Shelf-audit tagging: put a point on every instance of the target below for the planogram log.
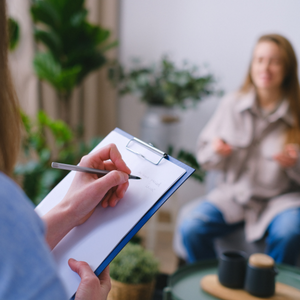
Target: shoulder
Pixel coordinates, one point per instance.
(235, 97)
(15, 204)
(25, 258)
(236, 102)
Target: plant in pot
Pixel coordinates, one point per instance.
(133, 273)
(163, 87)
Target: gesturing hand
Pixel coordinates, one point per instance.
(222, 147)
(288, 157)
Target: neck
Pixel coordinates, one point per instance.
(268, 99)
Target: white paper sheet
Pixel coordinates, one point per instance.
(95, 239)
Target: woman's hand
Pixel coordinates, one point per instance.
(288, 157)
(91, 287)
(87, 191)
(221, 147)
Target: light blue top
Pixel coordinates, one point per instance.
(27, 268)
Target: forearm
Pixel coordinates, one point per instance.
(59, 222)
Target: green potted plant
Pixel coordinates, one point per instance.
(163, 87)
(164, 84)
(133, 273)
(72, 47)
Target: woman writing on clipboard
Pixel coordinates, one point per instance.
(253, 139)
(27, 268)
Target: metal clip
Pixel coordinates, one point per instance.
(148, 146)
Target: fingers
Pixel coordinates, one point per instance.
(91, 287)
(222, 147)
(114, 195)
(292, 150)
(113, 178)
(98, 158)
(288, 158)
(104, 277)
(102, 186)
(81, 268)
(284, 160)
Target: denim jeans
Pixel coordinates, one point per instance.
(206, 222)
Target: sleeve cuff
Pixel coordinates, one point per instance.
(294, 172)
(208, 158)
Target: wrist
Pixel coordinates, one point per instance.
(59, 222)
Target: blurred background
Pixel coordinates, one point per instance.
(217, 36)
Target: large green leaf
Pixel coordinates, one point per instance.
(78, 18)
(89, 60)
(49, 39)
(63, 80)
(71, 8)
(44, 12)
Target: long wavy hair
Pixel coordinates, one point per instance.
(290, 84)
(10, 128)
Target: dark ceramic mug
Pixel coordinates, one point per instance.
(232, 269)
(260, 278)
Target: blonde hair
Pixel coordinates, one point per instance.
(290, 85)
(9, 108)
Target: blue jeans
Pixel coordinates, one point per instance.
(206, 222)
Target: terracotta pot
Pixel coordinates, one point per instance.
(125, 291)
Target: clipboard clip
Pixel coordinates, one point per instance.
(148, 146)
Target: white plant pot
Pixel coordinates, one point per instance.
(160, 127)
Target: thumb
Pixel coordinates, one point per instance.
(81, 268)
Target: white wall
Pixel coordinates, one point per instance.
(220, 33)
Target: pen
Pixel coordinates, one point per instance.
(83, 169)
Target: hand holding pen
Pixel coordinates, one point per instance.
(98, 172)
(87, 191)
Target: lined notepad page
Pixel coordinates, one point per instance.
(98, 236)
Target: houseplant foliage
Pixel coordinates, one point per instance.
(14, 33)
(135, 267)
(37, 176)
(163, 84)
(188, 158)
(73, 46)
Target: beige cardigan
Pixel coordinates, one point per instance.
(254, 187)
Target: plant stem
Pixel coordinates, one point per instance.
(65, 107)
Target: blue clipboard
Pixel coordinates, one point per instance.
(155, 207)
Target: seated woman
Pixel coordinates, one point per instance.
(253, 138)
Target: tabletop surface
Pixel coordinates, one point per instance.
(185, 282)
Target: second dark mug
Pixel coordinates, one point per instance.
(232, 269)
(260, 276)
